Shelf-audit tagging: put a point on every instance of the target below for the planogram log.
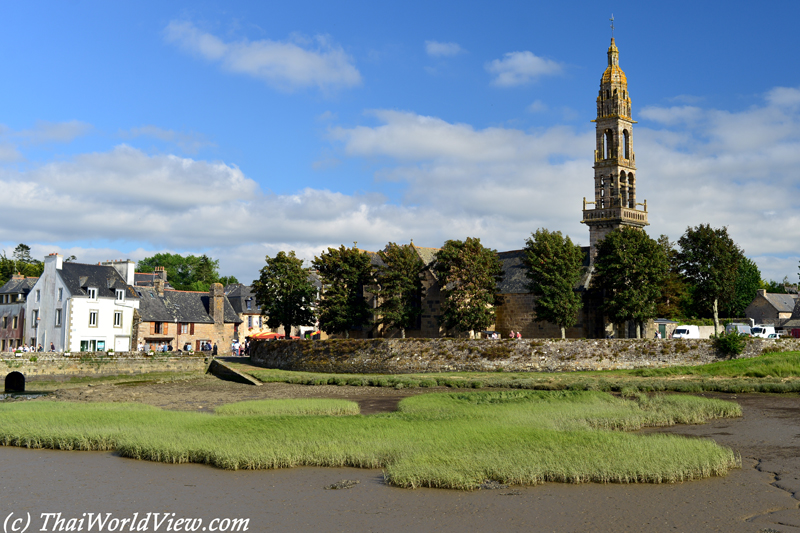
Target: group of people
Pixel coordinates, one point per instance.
(513, 335)
(240, 349)
(166, 347)
(29, 349)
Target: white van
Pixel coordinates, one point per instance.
(686, 332)
(763, 331)
(743, 329)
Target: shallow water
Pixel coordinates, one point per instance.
(73, 483)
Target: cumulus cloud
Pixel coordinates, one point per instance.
(694, 166)
(437, 49)
(282, 64)
(520, 68)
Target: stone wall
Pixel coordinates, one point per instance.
(398, 356)
(517, 313)
(48, 365)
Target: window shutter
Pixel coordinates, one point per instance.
(191, 328)
(152, 328)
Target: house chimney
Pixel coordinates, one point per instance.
(55, 259)
(216, 303)
(126, 269)
(762, 292)
(160, 280)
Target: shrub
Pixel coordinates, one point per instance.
(730, 344)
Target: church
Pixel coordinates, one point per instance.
(614, 207)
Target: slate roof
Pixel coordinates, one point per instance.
(180, 306)
(18, 286)
(783, 303)
(78, 277)
(515, 279)
(238, 294)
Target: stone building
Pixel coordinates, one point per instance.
(12, 311)
(771, 308)
(181, 318)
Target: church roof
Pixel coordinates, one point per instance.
(613, 74)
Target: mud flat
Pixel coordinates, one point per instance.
(762, 496)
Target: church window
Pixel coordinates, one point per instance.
(615, 92)
(608, 143)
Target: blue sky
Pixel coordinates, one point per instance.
(239, 129)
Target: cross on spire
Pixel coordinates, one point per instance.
(612, 25)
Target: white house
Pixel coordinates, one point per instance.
(79, 307)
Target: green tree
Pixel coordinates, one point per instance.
(20, 262)
(709, 259)
(630, 269)
(186, 273)
(285, 292)
(344, 273)
(554, 266)
(399, 287)
(468, 275)
(675, 296)
(748, 281)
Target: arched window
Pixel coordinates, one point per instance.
(622, 177)
(615, 92)
(626, 138)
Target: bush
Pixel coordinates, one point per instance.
(730, 344)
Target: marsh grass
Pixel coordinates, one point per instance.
(449, 440)
(770, 373)
(304, 406)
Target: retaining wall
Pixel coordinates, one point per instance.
(57, 365)
(399, 356)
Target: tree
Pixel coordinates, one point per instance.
(399, 287)
(630, 269)
(285, 292)
(709, 259)
(554, 269)
(21, 262)
(675, 296)
(344, 273)
(748, 281)
(189, 273)
(468, 275)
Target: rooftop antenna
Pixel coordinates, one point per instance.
(612, 25)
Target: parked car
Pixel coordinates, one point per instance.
(686, 332)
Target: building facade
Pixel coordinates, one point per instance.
(80, 307)
(13, 296)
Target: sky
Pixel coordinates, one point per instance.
(240, 129)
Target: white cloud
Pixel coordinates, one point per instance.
(437, 49)
(285, 65)
(694, 166)
(188, 142)
(61, 132)
(519, 68)
(537, 107)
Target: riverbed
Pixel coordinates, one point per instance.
(763, 495)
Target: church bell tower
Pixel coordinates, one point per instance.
(614, 202)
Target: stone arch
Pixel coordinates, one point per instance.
(608, 144)
(626, 139)
(15, 382)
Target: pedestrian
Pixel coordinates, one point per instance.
(519, 335)
(214, 349)
(511, 335)
(52, 347)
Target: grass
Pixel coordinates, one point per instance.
(449, 440)
(770, 372)
(304, 406)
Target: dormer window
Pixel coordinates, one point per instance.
(249, 304)
(120, 295)
(92, 293)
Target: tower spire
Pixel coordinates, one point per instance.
(615, 175)
(612, 27)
